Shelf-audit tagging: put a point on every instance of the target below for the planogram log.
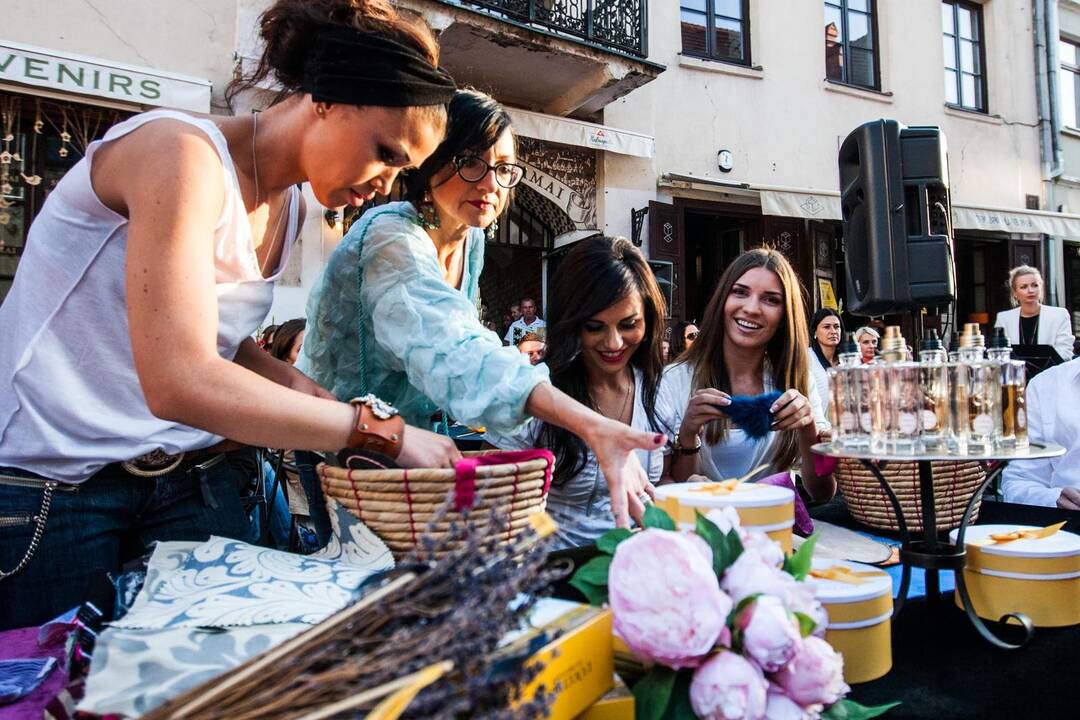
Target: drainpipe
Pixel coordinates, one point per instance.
(1048, 63)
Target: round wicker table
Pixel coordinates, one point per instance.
(931, 553)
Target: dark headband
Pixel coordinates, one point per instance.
(359, 68)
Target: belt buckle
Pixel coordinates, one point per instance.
(153, 464)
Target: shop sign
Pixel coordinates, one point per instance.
(41, 67)
(565, 197)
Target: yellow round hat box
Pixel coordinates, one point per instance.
(767, 508)
(859, 601)
(1023, 569)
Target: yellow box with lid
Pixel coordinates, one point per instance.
(617, 704)
(859, 601)
(767, 508)
(1024, 569)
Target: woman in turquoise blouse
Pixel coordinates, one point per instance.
(395, 312)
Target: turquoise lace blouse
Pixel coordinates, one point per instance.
(423, 347)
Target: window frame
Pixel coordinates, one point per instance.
(1073, 69)
(977, 13)
(845, 45)
(710, 36)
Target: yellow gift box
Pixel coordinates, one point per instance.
(1010, 569)
(858, 599)
(766, 508)
(617, 704)
(578, 663)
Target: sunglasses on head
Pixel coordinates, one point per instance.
(472, 168)
(691, 335)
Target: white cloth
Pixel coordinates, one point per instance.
(820, 375)
(739, 453)
(71, 401)
(519, 329)
(1052, 400)
(581, 506)
(1055, 328)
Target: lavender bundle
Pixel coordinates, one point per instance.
(450, 602)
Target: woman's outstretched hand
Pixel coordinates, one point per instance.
(425, 449)
(613, 444)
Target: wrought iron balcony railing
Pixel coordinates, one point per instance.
(615, 24)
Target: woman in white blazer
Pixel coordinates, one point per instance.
(1032, 323)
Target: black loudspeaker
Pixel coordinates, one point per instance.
(664, 271)
(894, 196)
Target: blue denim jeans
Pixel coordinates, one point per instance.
(94, 528)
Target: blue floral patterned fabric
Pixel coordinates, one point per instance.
(424, 348)
(19, 678)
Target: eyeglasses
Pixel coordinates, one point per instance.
(472, 168)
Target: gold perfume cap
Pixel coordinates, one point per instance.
(972, 336)
(893, 340)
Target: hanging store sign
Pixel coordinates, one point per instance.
(577, 207)
(42, 67)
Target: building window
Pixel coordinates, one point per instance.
(1069, 83)
(965, 55)
(850, 42)
(716, 29)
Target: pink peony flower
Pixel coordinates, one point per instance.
(815, 675)
(770, 633)
(728, 687)
(769, 550)
(725, 518)
(802, 597)
(751, 573)
(780, 707)
(667, 605)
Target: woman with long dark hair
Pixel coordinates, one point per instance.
(288, 340)
(605, 329)
(127, 356)
(683, 335)
(753, 340)
(826, 328)
(396, 310)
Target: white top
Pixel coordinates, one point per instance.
(1055, 328)
(1053, 397)
(71, 400)
(820, 375)
(581, 506)
(519, 329)
(739, 454)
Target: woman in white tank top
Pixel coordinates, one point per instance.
(127, 330)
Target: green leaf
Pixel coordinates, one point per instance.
(739, 608)
(657, 518)
(652, 693)
(597, 595)
(610, 540)
(595, 572)
(679, 707)
(851, 710)
(806, 624)
(726, 548)
(798, 564)
(735, 546)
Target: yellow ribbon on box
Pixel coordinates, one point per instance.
(844, 574)
(978, 560)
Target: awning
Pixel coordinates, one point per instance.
(810, 205)
(66, 72)
(582, 134)
(968, 217)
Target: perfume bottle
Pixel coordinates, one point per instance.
(934, 395)
(846, 390)
(893, 345)
(954, 347)
(999, 351)
(900, 400)
(1014, 405)
(983, 392)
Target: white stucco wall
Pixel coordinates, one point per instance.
(784, 123)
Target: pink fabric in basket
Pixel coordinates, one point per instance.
(465, 471)
(804, 525)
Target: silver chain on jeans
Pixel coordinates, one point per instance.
(39, 530)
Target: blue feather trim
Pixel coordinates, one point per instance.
(751, 413)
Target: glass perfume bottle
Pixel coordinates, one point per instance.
(893, 345)
(845, 386)
(983, 392)
(1014, 405)
(934, 395)
(954, 346)
(999, 351)
(903, 408)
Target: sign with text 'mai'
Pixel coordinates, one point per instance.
(42, 67)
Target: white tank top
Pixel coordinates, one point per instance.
(70, 400)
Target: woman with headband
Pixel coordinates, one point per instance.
(127, 358)
(395, 311)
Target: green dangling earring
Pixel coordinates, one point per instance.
(426, 215)
(492, 230)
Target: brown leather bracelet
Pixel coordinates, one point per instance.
(377, 427)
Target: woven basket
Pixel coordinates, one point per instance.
(401, 505)
(954, 484)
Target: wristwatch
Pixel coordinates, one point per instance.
(680, 450)
(377, 427)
